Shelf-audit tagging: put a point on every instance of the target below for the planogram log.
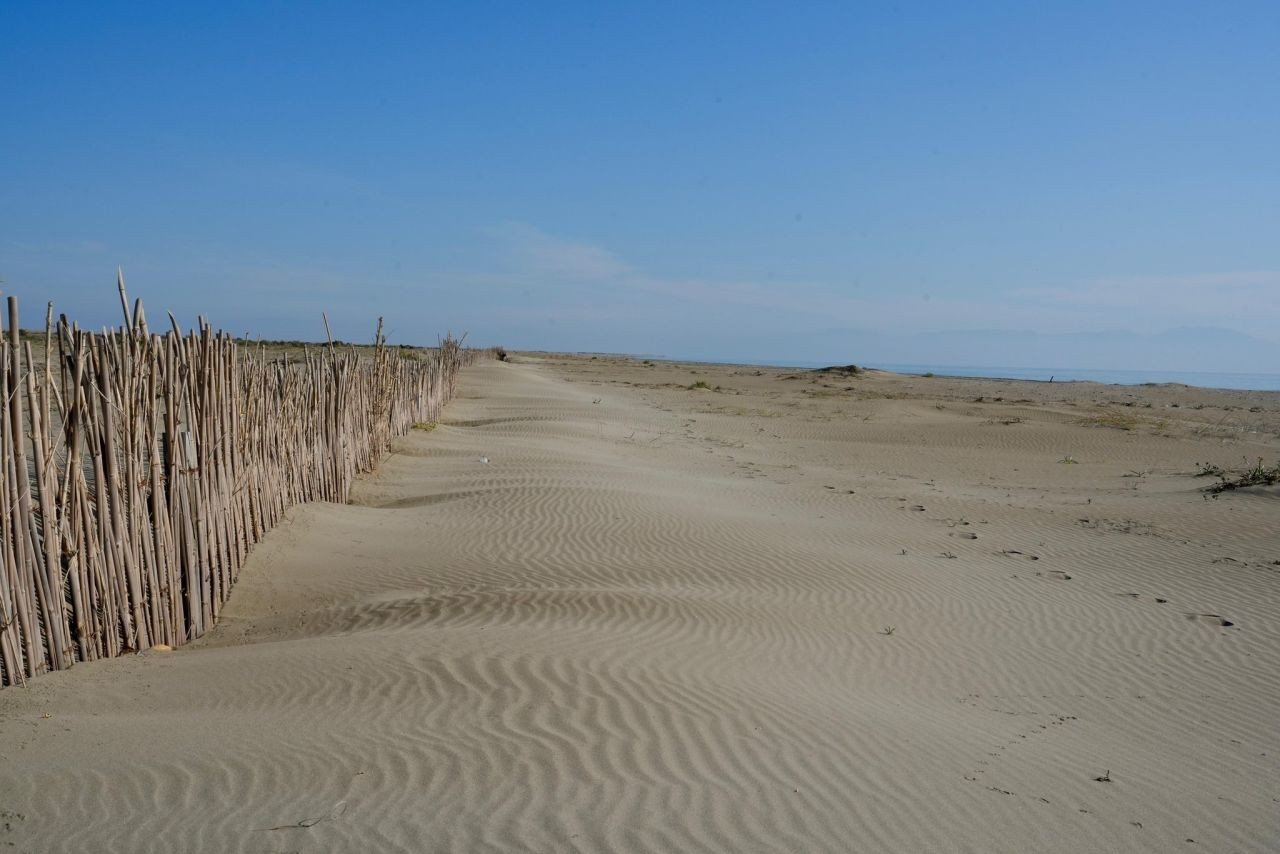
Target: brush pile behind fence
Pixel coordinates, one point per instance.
(137, 469)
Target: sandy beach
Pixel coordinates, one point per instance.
(611, 605)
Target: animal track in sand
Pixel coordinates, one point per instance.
(1019, 555)
(1056, 574)
(1041, 727)
(964, 535)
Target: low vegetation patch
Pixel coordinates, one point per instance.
(1209, 470)
(843, 370)
(1114, 420)
(425, 426)
(1257, 474)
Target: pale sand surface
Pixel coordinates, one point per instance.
(654, 621)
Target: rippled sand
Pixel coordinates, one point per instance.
(802, 612)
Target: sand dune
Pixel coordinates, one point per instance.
(801, 612)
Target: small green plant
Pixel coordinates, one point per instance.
(425, 426)
(1069, 460)
(699, 384)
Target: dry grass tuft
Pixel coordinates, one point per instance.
(1114, 420)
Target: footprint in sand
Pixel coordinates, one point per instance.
(1019, 555)
(964, 535)
(1055, 574)
(1211, 619)
(1160, 600)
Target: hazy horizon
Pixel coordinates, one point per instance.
(994, 184)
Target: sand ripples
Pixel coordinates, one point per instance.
(588, 644)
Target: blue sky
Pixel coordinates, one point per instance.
(775, 181)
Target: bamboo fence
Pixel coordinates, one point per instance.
(139, 468)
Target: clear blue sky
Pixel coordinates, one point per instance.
(734, 180)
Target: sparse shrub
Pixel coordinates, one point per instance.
(1257, 474)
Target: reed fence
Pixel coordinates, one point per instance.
(139, 468)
